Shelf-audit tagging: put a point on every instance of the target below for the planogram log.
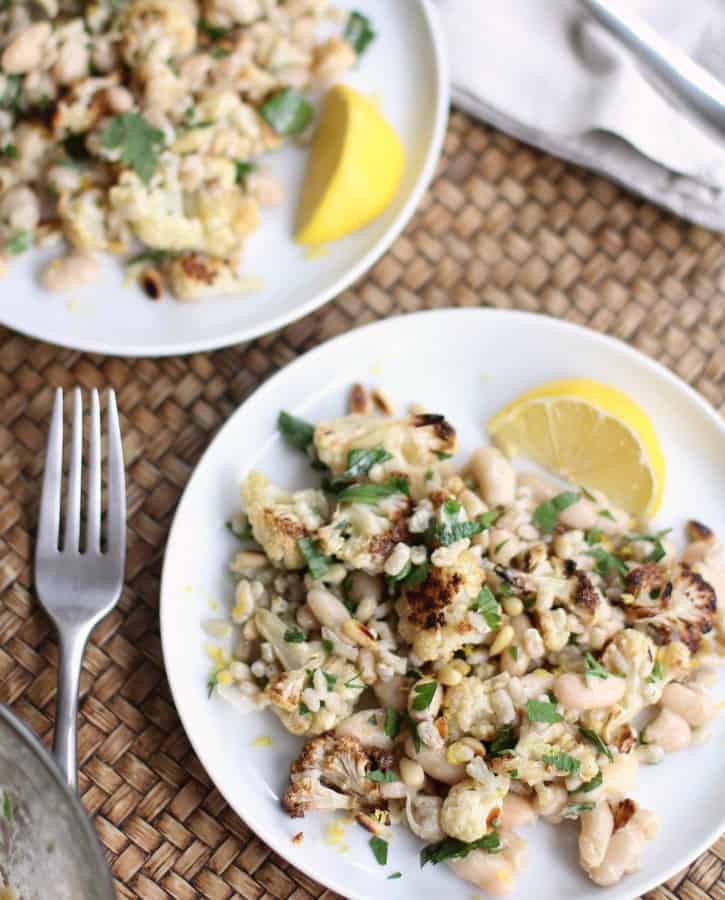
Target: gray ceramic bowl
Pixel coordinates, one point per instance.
(47, 844)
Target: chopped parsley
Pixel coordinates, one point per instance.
(593, 536)
(657, 673)
(243, 534)
(412, 727)
(442, 455)
(501, 545)
(382, 777)
(373, 721)
(19, 243)
(514, 651)
(242, 171)
(317, 564)
(449, 529)
(424, 693)
(138, 141)
(327, 645)
(287, 111)
(542, 711)
(574, 810)
(607, 562)
(590, 785)
(220, 52)
(503, 741)
(588, 494)
(392, 723)
(304, 710)
(594, 738)
(451, 848)
(562, 761)
(594, 669)
(488, 606)
(359, 463)
(355, 683)
(294, 636)
(298, 433)
(211, 684)
(372, 493)
(658, 552)
(380, 850)
(7, 806)
(605, 514)
(330, 679)
(411, 576)
(153, 256)
(546, 514)
(11, 97)
(211, 31)
(359, 32)
(10, 151)
(394, 876)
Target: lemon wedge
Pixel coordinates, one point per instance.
(591, 434)
(354, 169)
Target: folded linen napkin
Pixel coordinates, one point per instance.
(544, 72)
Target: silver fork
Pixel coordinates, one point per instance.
(77, 589)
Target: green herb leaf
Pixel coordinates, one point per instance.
(153, 256)
(594, 738)
(373, 493)
(449, 531)
(296, 432)
(288, 111)
(410, 577)
(590, 785)
(395, 875)
(546, 514)
(593, 668)
(10, 151)
(317, 564)
(562, 761)
(504, 740)
(304, 710)
(220, 52)
(211, 684)
(19, 243)
(412, 727)
(488, 606)
(373, 721)
(442, 455)
(514, 651)
(392, 723)
(424, 693)
(657, 673)
(607, 562)
(359, 32)
(243, 170)
(541, 711)
(380, 850)
(11, 97)
(138, 141)
(605, 514)
(327, 645)
(211, 31)
(659, 552)
(294, 636)
(451, 848)
(359, 463)
(574, 810)
(382, 777)
(243, 534)
(588, 494)
(7, 806)
(593, 536)
(330, 679)
(355, 683)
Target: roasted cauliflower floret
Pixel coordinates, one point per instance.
(279, 518)
(436, 617)
(468, 708)
(363, 535)
(544, 753)
(670, 605)
(412, 443)
(332, 773)
(472, 807)
(193, 277)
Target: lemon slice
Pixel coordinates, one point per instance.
(592, 435)
(354, 169)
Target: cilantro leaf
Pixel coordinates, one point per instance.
(658, 553)
(242, 534)
(294, 636)
(593, 536)
(541, 711)
(410, 577)
(211, 684)
(392, 723)
(488, 606)
(242, 170)
(590, 785)
(412, 727)
(607, 562)
(547, 513)
(327, 645)
(424, 693)
(452, 848)
(372, 493)
(298, 433)
(317, 564)
(449, 529)
(395, 875)
(594, 738)
(359, 463)
(442, 455)
(382, 777)
(138, 141)
(380, 850)
(593, 668)
(562, 761)
(287, 111)
(330, 679)
(359, 32)
(504, 740)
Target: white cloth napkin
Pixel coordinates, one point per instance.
(544, 72)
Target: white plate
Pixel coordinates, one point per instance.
(466, 364)
(405, 70)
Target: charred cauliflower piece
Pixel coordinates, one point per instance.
(677, 605)
(436, 617)
(279, 519)
(468, 708)
(472, 807)
(363, 536)
(412, 443)
(332, 773)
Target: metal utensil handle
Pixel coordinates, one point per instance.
(700, 91)
(65, 739)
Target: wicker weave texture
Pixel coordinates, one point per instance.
(502, 226)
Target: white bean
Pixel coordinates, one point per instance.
(493, 873)
(495, 476)
(695, 708)
(435, 763)
(619, 776)
(502, 546)
(670, 731)
(433, 708)
(359, 725)
(595, 831)
(582, 515)
(393, 693)
(517, 812)
(327, 608)
(622, 856)
(539, 488)
(412, 773)
(550, 798)
(20, 208)
(71, 272)
(577, 692)
(72, 62)
(25, 51)
(120, 100)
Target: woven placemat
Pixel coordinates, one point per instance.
(502, 226)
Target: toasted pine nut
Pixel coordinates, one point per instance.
(503, 639)
(449, 676)
(412, 773)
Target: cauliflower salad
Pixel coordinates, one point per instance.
(468, 649)
(128, 124)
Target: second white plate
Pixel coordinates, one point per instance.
(466, 364)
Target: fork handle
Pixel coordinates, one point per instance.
(65, 740)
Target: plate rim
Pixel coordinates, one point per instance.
(440, 59)
(611, 342)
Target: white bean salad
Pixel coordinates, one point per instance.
(469, 649)
(137, 126)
